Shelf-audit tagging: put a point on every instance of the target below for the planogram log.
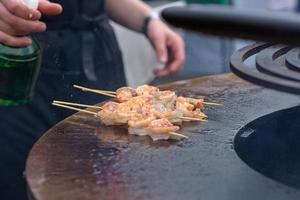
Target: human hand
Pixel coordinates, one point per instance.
(169, 47)
(17, 20)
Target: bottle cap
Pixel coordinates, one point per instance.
(33, 4)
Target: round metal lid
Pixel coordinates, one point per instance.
(276, 67)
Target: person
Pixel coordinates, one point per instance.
(79, 47)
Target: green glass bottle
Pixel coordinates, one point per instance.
(19, 69)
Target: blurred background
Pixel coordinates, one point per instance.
(205, 55)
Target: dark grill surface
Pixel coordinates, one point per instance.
(270, 145)
(81, 159)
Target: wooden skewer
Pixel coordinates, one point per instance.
(193, 119)
(107, 91)
(179, 135)
(212, 104)
(101, 92)
(206, 103)
(112, 94)
(73, 108)
(93, 91)
(76, 104)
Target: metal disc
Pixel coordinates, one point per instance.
(253, 75)
(293, 59)
(272, 61)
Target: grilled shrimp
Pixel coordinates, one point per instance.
(125, 93)
(197, 103)
(146, 90)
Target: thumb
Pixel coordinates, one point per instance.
(160, 46)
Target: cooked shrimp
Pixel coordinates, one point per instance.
(109, 115)
(110, 106)
(162, 126)
(198, 103)
(199, 114)
(184, 106)
(141, 121)
(166, 97)
(125, 93)
(158, 130)
(116, 114)
(146, 90)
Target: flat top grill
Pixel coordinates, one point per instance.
(81, 159)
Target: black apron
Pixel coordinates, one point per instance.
(79, 47)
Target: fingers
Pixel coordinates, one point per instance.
(16, 19)
(48, 8)
(14, 41)
(169, 48)
(161, 72)
(19, 25)
(176, 61)
(7, 29)
(19, 9)
(176, 57)
(159, 43)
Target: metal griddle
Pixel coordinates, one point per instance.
(81, 159)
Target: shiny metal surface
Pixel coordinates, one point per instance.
(81, 159)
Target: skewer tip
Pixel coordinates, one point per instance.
(212, 104)
(179, 135)
(193, 119)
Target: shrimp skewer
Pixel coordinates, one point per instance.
(142, 90)
(157, 129)
(145, 110)
(125, 94)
